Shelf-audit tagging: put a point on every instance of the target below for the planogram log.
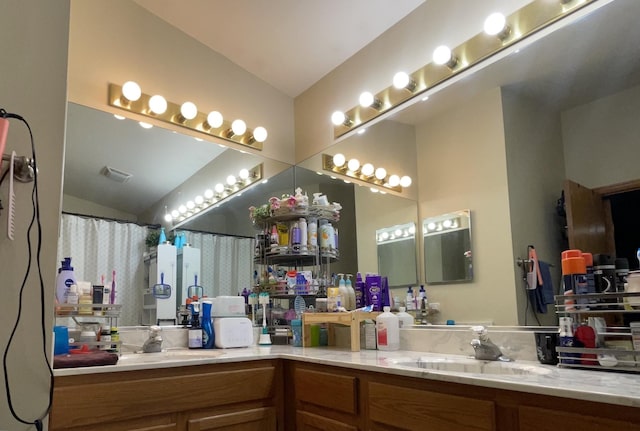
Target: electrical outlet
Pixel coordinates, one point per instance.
(434, 306)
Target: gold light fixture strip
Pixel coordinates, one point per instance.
(525, 22)
(329, 166)
(172, 115)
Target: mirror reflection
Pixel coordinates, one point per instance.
(397, 254)
(447, 248)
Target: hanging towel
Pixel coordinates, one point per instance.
(543, 294)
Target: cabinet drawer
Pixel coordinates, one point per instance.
(306, 421)
(333, 391)
(260, 419)
(539, 419)
(413, 409)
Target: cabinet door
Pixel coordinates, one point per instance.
(539, 419)
(146, 423)
(260, 419)
(401, 408)
(306, 421)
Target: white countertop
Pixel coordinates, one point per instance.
(598, 386)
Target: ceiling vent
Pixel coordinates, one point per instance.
(116, 175)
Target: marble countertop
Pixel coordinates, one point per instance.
(598, 386)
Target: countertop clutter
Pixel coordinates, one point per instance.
(523, 376)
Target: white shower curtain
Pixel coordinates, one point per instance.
(97, 247)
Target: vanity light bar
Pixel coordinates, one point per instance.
(523, 23)
(395, 233)
(329, 165)
(216, 196)
(129, 98)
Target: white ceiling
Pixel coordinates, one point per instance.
(290, 44)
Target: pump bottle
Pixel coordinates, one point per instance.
(65, 279)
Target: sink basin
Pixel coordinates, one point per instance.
(178, 354)
(474, 366)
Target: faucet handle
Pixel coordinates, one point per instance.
(479, 330)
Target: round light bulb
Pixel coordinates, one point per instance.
(353, 165)
(208, 194)
(175, 214)
(338, 118)
(191, 205)
(405, 181)
(431, 226)
(374, 190)
(158, 104)
(145, 125)
(394, 180)
(366, 99)
(199, 200)
(442, 55)
(381, 173)
(214, 119)
(398, 232)
(231, 180)
(189, 110)
(446, 223)
(238, 127)
(131, 91)
(339, 160)
(367, 169)
(219, 188)
(167, 217)
(401, 80)
(118, 117)
(182, 209)
(260, 134)
(244, 174)
(412, 230)
(494, 24)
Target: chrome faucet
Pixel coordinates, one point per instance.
(484, 348)
(154, 342)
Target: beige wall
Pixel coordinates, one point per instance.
(462, 164)
(535, 165)
(601, 140)
(33, 85)
(115, 41)
(76, 205)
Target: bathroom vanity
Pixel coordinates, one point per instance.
(285, 388)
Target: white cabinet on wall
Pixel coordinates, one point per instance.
(162, 269)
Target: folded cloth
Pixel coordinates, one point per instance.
(543, 294)
(91, 359)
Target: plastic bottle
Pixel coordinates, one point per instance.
(405, 319)
(296, 330)
(65, 279)
(351, 293)
(410, 304)
(302, 224)
(388, 330)
(72, 295)
(295, 238)
(344, 293)
(208, 336)
(312, 234)
(333, 298)
(274, 238)
(195, 331)
(566, 338)
(327, 236)
(359, 291)
(163, 237)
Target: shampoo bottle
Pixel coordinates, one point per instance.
(359, 291)
(388, 330)
(302, 224)
(65, 279)
(296, 238)
(208, 337)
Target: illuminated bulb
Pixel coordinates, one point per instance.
(199, 200)
(158, 104)
(188, 110)
(145, 125)
(338, 118)
(182, 209)
(398, 232)
(167, 217)
(214, 119)
(175, 214)
(405, 181)
(381, 173)
(244, 174)
(385, 235)
(118, 117)
(238, 127)
(367, 99)
(208, 194)
(367, 169)
(219, 188)
(446, 223)
(402, 80)
(374, 190)
(431, 226)
(339, 160)
(442, 55)
(394, 180)
(412, 230)
(260, 134)
(380, 239)
(131, 91)
(231, 180)
(495, 24)
(353, 165)
(190, 205)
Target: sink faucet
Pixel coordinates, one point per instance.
(484, 348)
(154, 342)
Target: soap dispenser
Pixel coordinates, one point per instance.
(344, 293)
(410, 304)
(351, 294)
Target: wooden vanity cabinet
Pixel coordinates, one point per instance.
(243, 396)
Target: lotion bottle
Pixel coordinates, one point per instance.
(351, 293)
(65, 279)
(344, 293)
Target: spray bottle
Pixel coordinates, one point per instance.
(65, 279)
